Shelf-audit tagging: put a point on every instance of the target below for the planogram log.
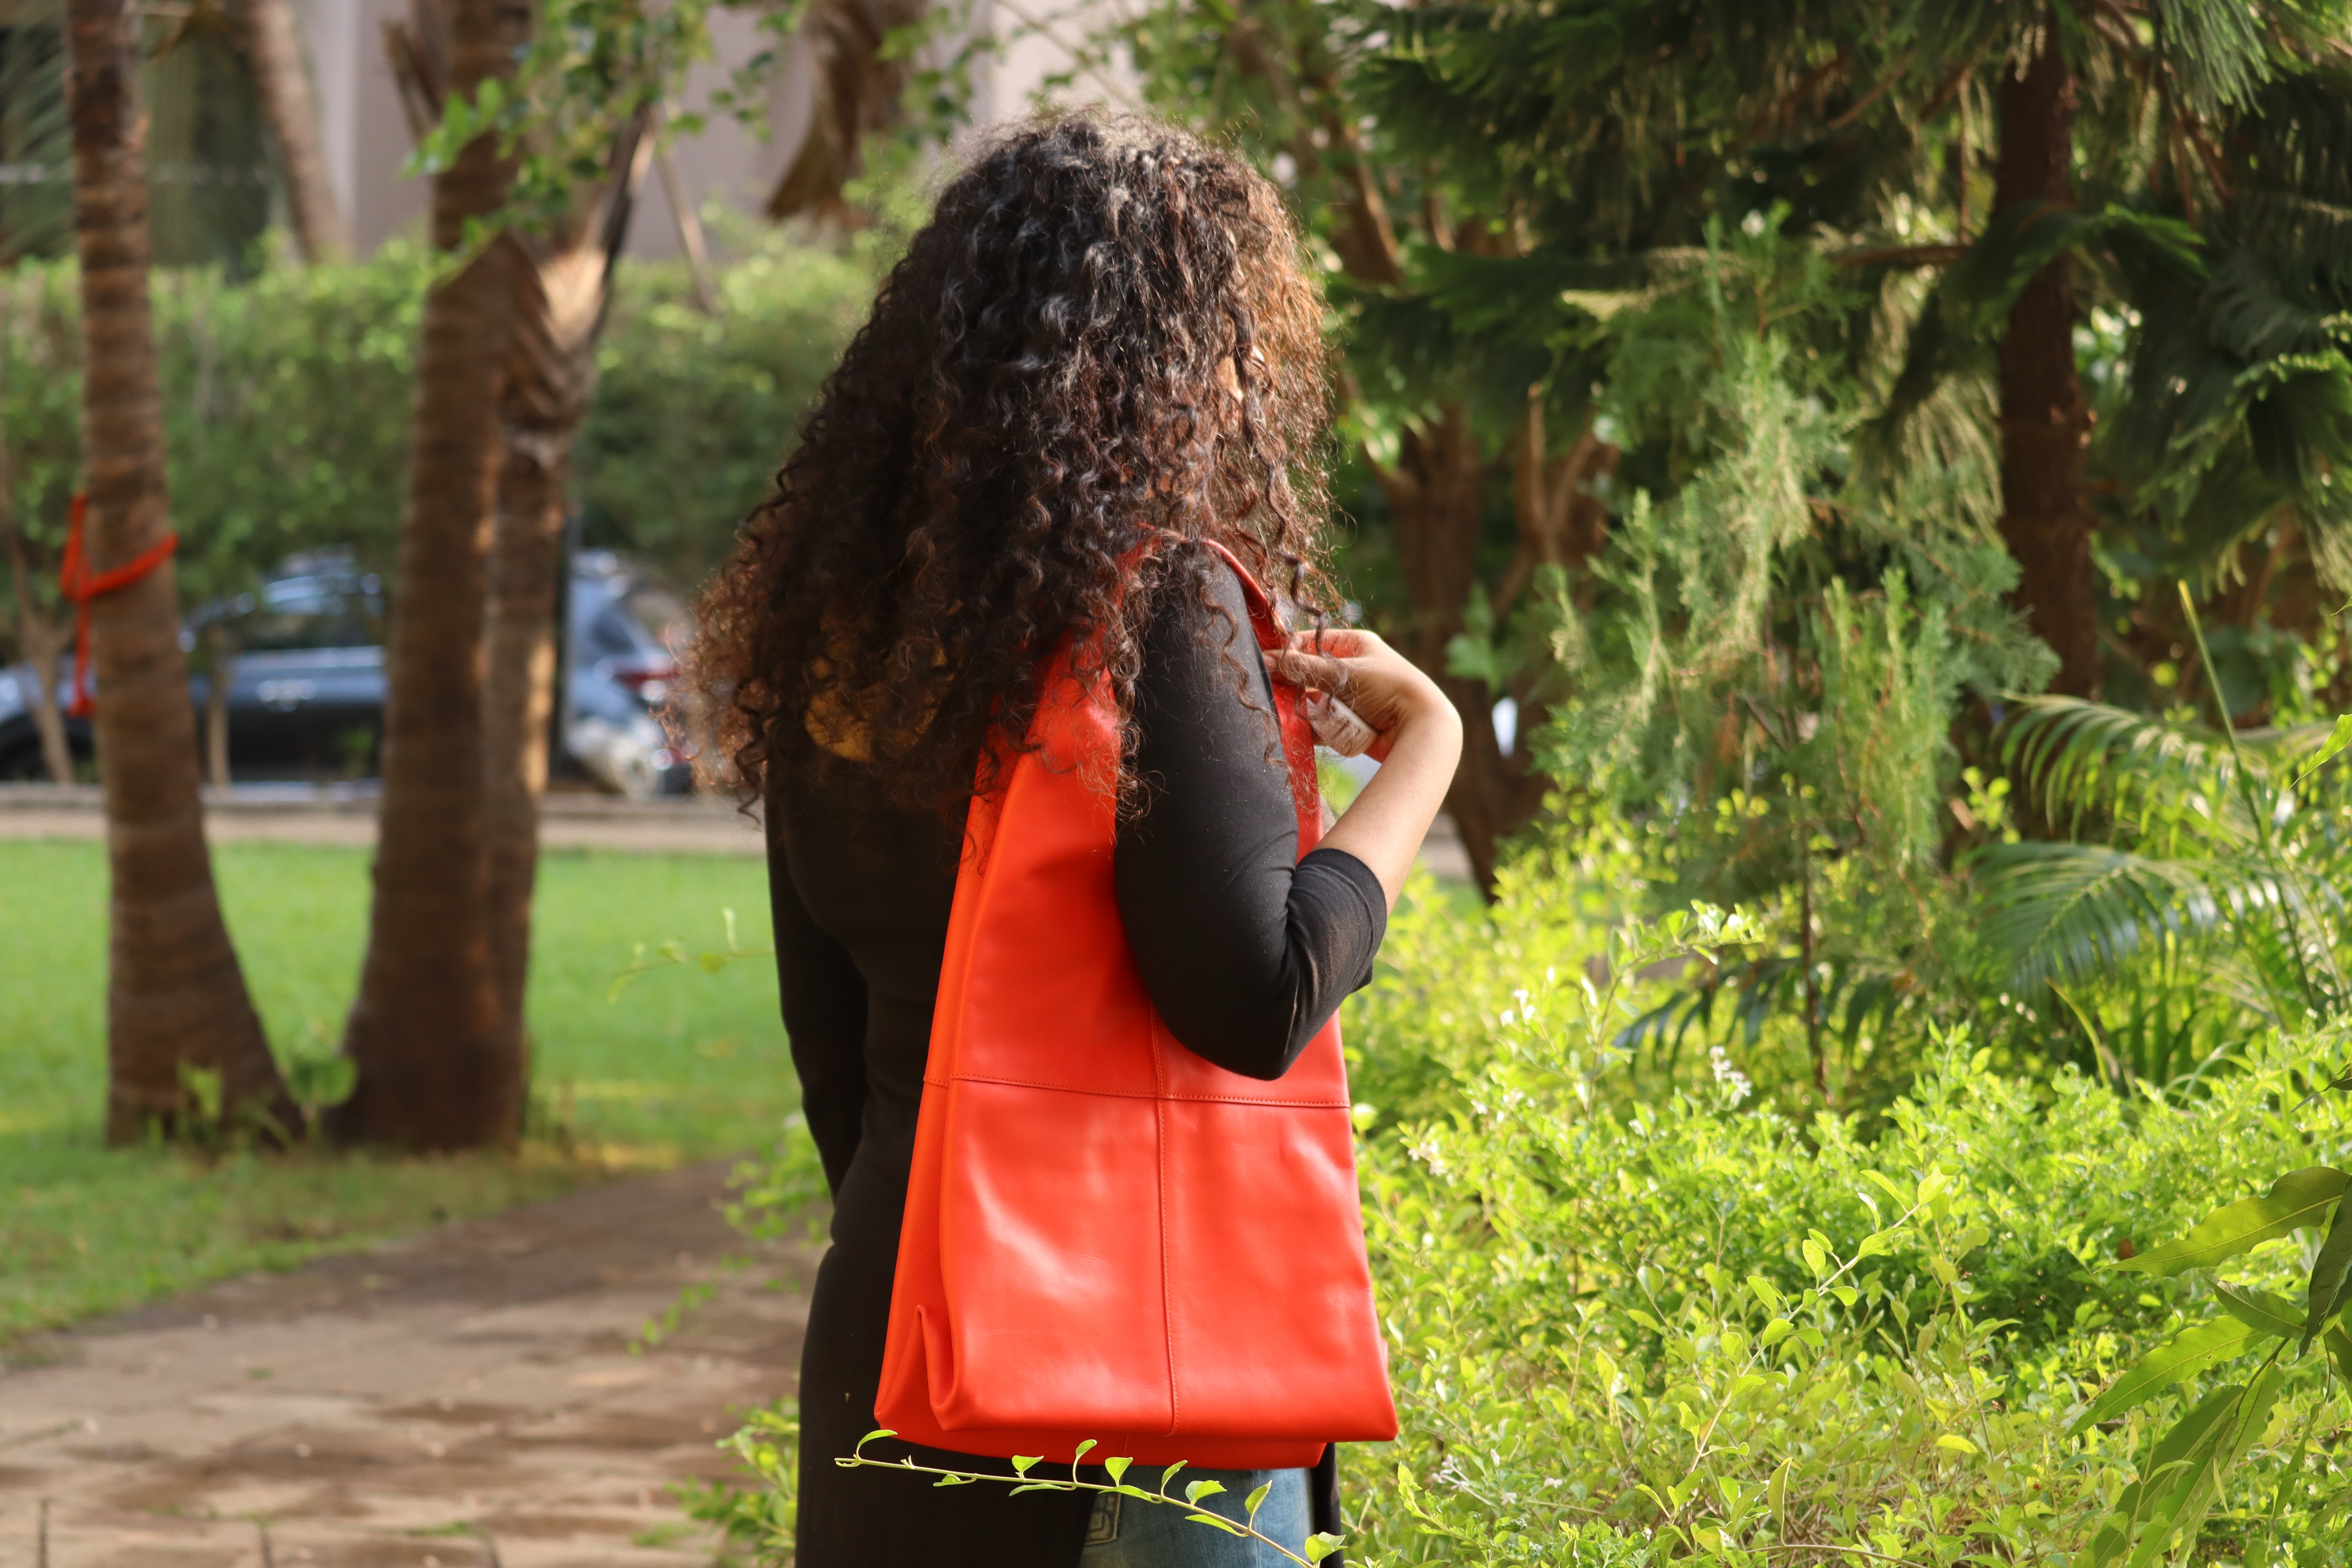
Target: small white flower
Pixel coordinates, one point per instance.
(1728, 1076)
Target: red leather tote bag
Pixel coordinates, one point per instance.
(1107, 1237)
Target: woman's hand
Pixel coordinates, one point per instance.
(1386, 689)
(1420, 743)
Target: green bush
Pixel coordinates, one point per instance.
(1678, 1328)
(694, 412)
(286, 408)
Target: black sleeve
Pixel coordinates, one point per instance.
(1245, 949)
(825, 1018)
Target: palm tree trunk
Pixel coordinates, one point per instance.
(175, 996)
(526, 575)
(223, 661)
(42, 640)
(436, 1068)
(2045, 426)
(283, 84)
(562, 285)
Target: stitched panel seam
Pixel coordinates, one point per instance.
(1145, 1094)
(1159, 1154)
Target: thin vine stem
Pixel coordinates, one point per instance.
(1021, 1480)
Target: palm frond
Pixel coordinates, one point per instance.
(2086, 757)
(2293, 153)
(2221, 54)
(2071, 911)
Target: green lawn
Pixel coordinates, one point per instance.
(683, 1066)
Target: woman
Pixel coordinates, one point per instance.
(1097, 363)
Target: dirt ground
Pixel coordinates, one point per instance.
(467, 1398)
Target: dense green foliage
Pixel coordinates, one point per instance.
(287, 402)
(694, 412)
(1642, 1321)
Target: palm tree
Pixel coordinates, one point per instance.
(39, 637)
(175, 998)
(436, 1066)
(2045, 426)
(274, 49)
(855, 86)
(563, 279)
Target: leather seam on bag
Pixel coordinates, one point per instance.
(1172, 1098)
(1160, 1157)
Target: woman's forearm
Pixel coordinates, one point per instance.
(1385, 825)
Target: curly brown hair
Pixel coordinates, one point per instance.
(1102, 351)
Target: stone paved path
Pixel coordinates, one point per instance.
(461, 1399)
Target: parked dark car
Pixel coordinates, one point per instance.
(306, 692)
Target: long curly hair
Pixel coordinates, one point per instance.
(1104, 351)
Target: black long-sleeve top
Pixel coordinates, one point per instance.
(1245, 949)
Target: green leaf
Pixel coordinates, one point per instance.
(1227, 1525)
(1256, 1500)
(2191, 1350)
(2339, 1351)
(2296, 1199)
(1084, 1448)
(1321, 1544)
(2208, 1462)
(1023, 1463)
(1118, 1467)
(1169, 1474)
(1956, 1442)
(2274, 1315)
(2338, 739)
(1196, 1491)
(2112, 1538)
(2327, 1273)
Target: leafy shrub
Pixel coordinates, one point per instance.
(1676, 1327)
(694, 412)
(285, 405)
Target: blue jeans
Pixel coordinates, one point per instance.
(1128, 1533)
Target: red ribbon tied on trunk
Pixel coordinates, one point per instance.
(78, 586)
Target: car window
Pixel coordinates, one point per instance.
(308, 612)
(610, 634)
